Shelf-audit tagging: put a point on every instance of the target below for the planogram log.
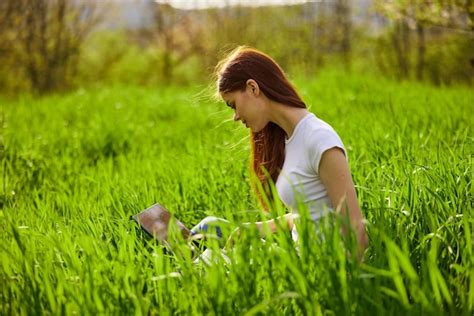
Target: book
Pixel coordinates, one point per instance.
(155, 221)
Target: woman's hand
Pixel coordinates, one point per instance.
(263, 228)
(362, 242)
(234, 235)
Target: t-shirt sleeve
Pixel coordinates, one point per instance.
(320, 141)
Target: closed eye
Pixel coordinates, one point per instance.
(230, 105)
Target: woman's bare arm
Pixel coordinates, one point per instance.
(272, 225)
(336, 177)
(265, 227)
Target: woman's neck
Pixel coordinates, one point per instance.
(285, 116)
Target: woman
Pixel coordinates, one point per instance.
(291, 147)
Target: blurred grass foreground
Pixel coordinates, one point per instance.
(105, 112)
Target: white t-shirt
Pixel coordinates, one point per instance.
(299, 179)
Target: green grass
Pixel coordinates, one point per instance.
(76, 166)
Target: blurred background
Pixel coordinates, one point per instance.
(57, 45)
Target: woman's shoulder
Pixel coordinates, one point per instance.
(320, 135)
(315, 126)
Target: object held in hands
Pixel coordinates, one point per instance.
(155, 221)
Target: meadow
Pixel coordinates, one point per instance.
(75, 166)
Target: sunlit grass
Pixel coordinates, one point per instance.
(75, 167)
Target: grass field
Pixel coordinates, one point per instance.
(76, 166)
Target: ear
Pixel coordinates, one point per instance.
(253, 87)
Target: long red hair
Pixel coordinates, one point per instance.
(268, 145)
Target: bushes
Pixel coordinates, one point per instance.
(182, 47)
(117, 58)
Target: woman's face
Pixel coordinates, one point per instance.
(248, 108)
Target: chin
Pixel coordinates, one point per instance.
(256, 129)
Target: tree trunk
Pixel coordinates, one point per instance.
(420, 65)
(167, 62)
(406, 48)
(400, 43)
(344, 20)
(320, 36)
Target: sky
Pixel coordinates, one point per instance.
(201, 4)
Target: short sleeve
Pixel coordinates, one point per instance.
(319, 141)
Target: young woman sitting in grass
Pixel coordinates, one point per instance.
(291, 147)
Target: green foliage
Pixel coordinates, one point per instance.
(130, 62)
(449, 59)
(423, 40)
(126, 63)
(75, 167)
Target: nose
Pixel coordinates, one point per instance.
(236, 116)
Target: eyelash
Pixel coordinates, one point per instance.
(232, 106)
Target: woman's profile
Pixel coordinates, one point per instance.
(291, 147)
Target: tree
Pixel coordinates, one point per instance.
(42, 39)
(343, 17)
(179, 37)
(418, 15)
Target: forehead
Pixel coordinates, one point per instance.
(229, 95)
